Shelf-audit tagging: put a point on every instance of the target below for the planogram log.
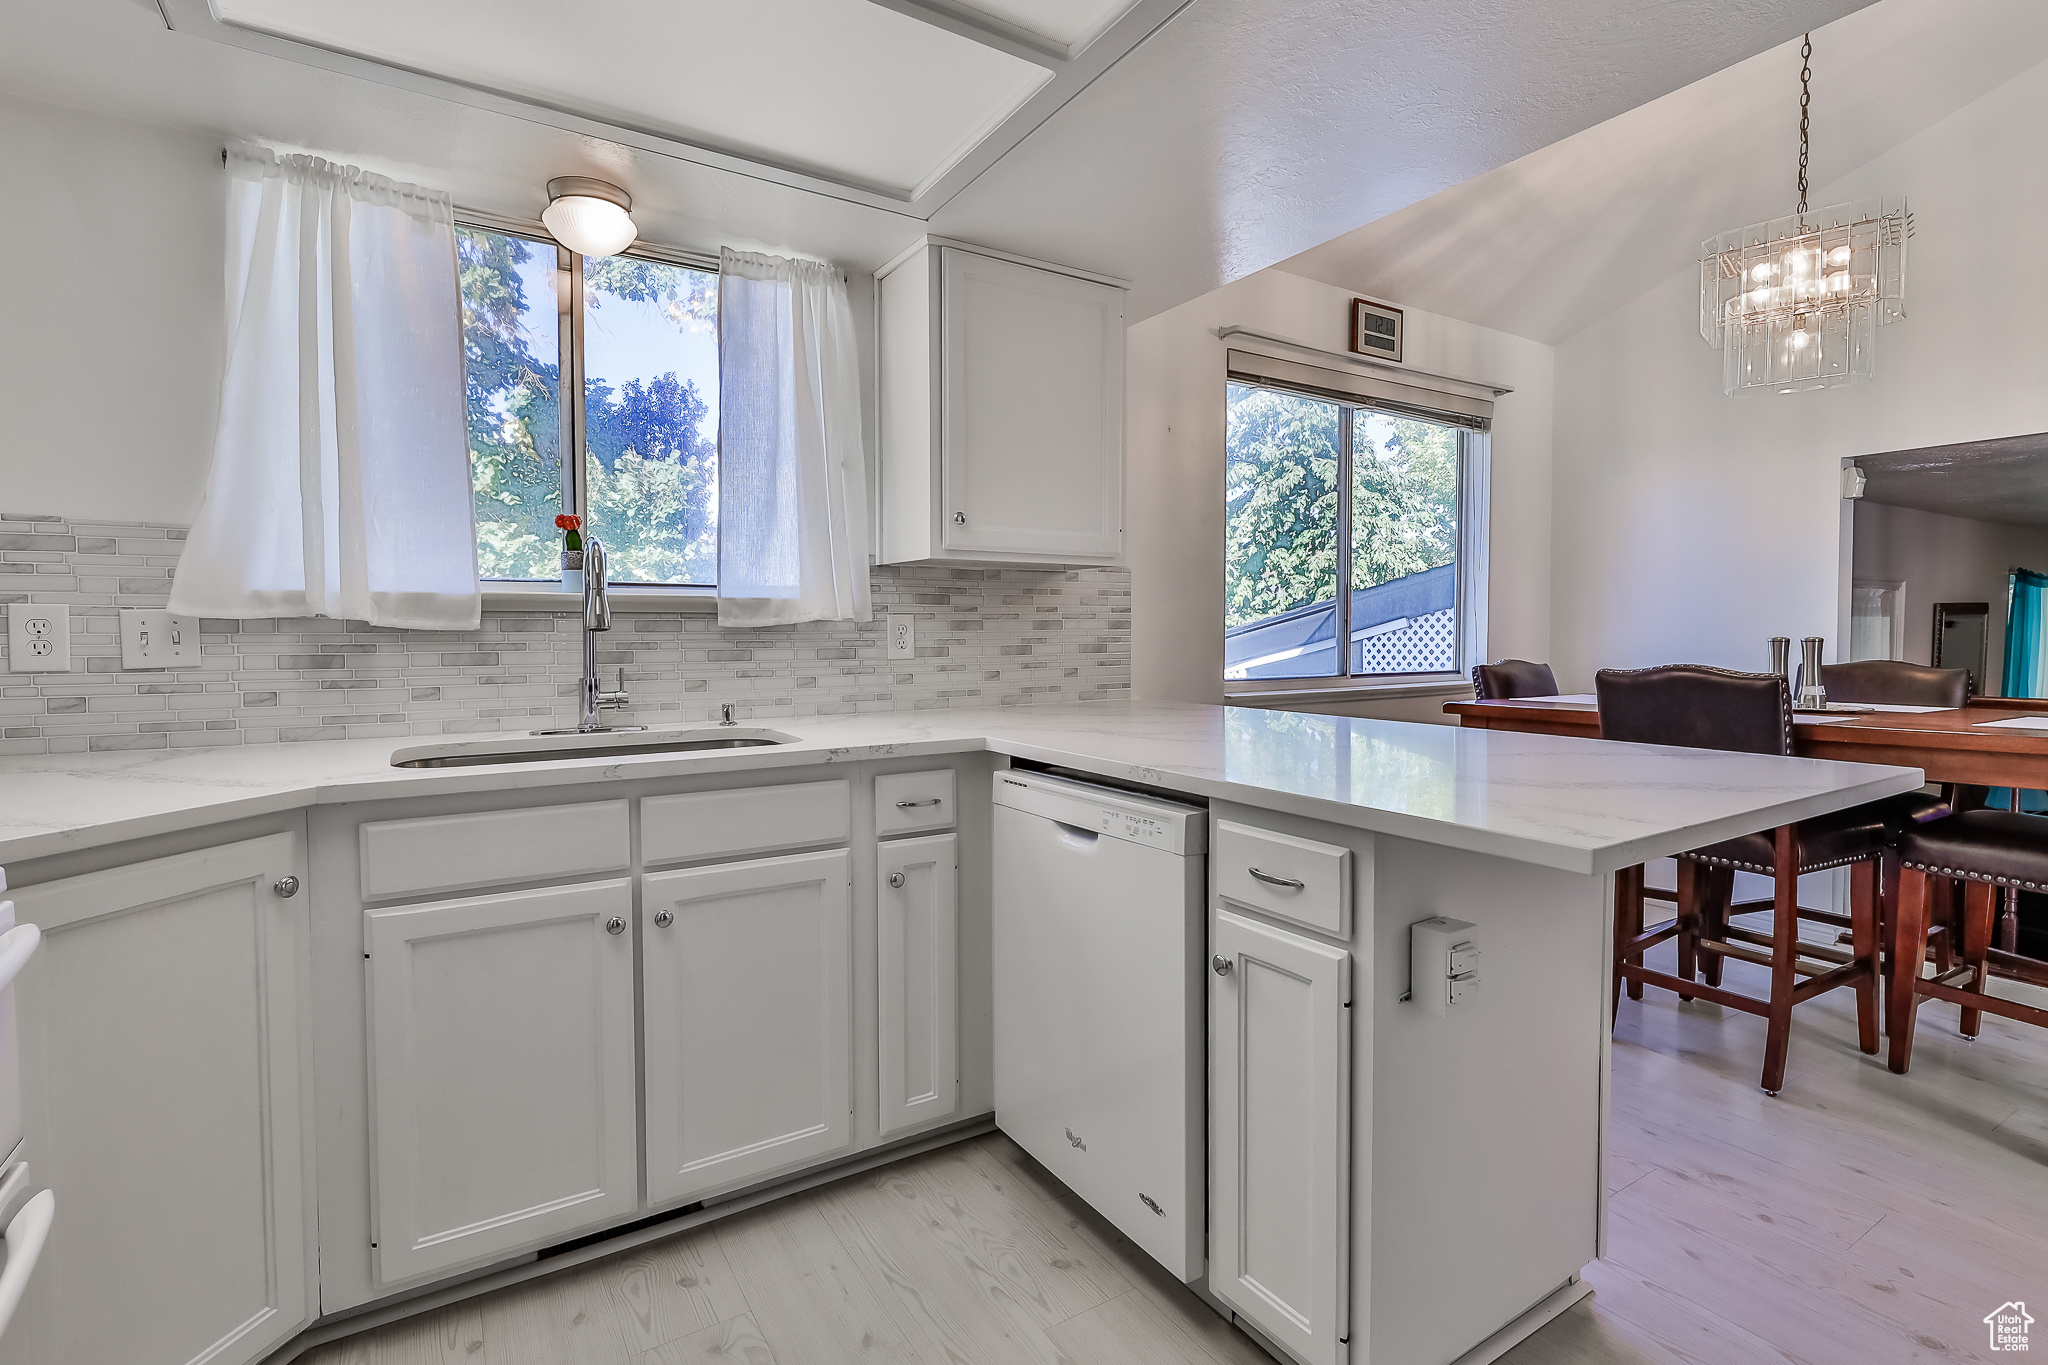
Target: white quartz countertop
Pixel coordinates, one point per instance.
(1579, 805)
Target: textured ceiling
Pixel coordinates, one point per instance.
(1547, 244)
(1240, 134)
(2004, 481)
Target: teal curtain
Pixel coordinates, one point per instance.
(2026, 671)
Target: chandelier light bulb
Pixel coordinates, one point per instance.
(590, 217)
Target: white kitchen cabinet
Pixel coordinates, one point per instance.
(1279, 1134)
(1002, 411)
(501, 1073)
(167, 1085)
(746, 988)
(917, 937)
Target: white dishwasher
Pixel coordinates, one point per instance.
(1099, 993)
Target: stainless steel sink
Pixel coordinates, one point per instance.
(555, 748)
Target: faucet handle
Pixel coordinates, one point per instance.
(725, 714)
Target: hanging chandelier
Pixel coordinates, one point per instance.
(1795, 303)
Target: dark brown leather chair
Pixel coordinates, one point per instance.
(1984, 850)
(1889, 682)
(1507, 679)
(1695, 706)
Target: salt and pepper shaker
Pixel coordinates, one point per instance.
(1781, 656)
(1813, 695)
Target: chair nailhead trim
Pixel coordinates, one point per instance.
(1767, 870)
(1969, 876)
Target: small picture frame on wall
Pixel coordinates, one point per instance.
(1376, 330)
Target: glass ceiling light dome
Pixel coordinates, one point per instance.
(588, 216)
(1795, 303)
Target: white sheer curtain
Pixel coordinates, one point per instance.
(792, 481)
(340, 483)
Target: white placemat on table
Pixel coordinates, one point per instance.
(2017, 723)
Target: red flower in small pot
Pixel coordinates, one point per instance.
(573, 541)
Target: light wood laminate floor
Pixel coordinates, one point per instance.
(1858, 1217)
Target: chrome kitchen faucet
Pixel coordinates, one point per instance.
(597, 616)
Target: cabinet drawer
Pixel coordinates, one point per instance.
(908, 802)
(491, 848)
(750, 820)
(1293, 879)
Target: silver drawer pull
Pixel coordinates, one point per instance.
(913, 805)
(1271, 880)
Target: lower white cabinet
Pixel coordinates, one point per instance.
(502, 1096)
(167, 1078)
(917, 950)
(1279, 1134)
(746, 983)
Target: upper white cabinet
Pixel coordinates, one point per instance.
(167, 1078)
(1002, 411)
(746, 988)
(501, 1072)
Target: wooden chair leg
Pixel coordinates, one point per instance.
(1944, 909)
(1628, 922)
(1979, 912)
(1887, 908)
(1718, 892)
(1863, 943)
(1909, 956)
(1784, 946)
(1688, 921)
(2009, 919)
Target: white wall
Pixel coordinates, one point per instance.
(1944, 559)
(110, 359)
(1173, 522)
(1691, 526)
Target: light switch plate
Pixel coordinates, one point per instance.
(38, 637)
(902, 637)
(157, 639)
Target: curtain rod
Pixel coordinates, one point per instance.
(1388, 366)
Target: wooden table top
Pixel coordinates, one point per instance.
(1949, 746)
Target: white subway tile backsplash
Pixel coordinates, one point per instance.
(1005, 637)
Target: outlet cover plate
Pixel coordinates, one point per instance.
(902, 637)
(157, 639)
(38, 637)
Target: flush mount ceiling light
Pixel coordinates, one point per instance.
(589, 216)
(1795, 303)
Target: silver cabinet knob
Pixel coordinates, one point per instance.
(896, 880)
(287, 886)
(615, 925)
(959, 518)
(1221, 964)
(663, 919)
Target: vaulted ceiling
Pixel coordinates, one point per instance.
(1178, 145)
(1548, 243)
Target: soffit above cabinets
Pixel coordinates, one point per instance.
(893, 103)
(1068, 23)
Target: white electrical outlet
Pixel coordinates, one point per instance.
(38, 638)
(902, 637)
(157, 639)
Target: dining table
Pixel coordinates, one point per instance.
(1991, 742)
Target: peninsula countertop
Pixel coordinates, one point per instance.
(1579, 805)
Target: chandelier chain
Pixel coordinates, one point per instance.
(1805, 114)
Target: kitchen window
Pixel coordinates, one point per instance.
(593, 391)
(1354, 530)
